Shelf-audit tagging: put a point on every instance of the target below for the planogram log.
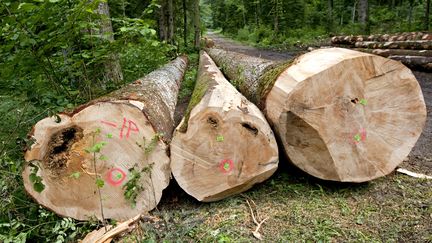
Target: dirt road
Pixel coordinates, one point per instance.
(420, 158)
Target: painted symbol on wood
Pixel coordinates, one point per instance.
(226, 165)
(363, 101)
(359, 136)
(127, 127)
(219, 138)
(115, 176)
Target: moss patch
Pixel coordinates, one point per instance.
(267, 80)
(200, 90)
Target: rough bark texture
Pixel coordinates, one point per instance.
(414, 59)
(113, 72)
(364, 15)
(197, 24)
(244, 71)
(406, 36)
(228, 145)
(413, 45)
(170, 22)
(130, 122)
(342, 115)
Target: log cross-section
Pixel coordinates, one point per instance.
(341, 115)
(118, 142)
(225, 145)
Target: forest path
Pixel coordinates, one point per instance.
(420, 158)
(228, 44)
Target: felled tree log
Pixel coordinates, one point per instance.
(397, 52)
(414, 59)
(117, 142)
(415, 62)
(341, 115)
(407, 36)
(413, 45)
(224, 145)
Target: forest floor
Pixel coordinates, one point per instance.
(302, 208)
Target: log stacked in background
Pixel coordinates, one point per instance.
(135, 123)
(224, 145)
(412, 48)
(340, 114)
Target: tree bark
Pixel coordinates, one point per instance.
(197, 24)
(185, 23)
(406, 36)
(224, 145)
(113, 72)
(163, 28)
(397, 52)
(341, 115)
(170, 22)
(426, 18)
(363, 13)
(413, 45)
(135, 123)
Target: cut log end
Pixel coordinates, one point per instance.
(73, 152)
(228, 145)
(348, 116)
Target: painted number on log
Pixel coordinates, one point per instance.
(127, 127)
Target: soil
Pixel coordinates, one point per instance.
(420, 158)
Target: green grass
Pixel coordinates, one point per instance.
(300, 208)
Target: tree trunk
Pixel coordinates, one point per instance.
(170, 22)
(426, 18)
(119, 140)
(197, 24)
(224, 145)
(330, 14)
(185, 23)
(413, 45)
(113, 72)
(341, 115)
(364, 15)
(163, 28)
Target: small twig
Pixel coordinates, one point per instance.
(258, 224)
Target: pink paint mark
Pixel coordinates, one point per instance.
(115, 176)
(109, 123)
(358, 136)
(122, 128)
(135, 129)
(226, 166)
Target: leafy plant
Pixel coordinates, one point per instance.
(35, 179)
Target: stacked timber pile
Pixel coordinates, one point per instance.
(107, 158)
(224, 145)
(412, 48)
(340, 114)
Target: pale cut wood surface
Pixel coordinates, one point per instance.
(125, 118)
(228, 145)
(341, 115)
(346, 116)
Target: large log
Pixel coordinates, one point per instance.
(341, 115)
(413, 45)
(118, 142)
(414, 59)
(396, 52)
(407, 36)
(224, 145)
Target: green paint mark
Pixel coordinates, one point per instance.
(118, 176)
(226, 166)
(75, 175)
(357, 137)
(219, 138)
(109, 135)
(363, 101)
